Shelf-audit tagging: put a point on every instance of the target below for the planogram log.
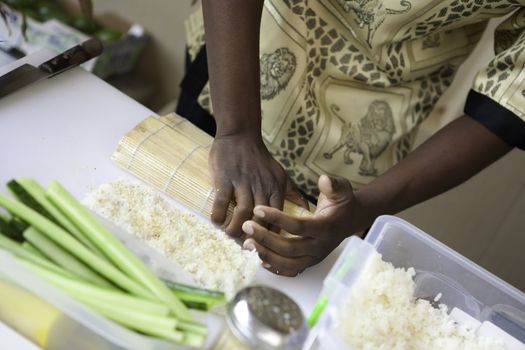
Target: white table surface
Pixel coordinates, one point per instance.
(67, 127)
(12, 340)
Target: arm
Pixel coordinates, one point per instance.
(242, 168)
(453, 155)
(232, 45)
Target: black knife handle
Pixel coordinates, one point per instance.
(73, 57)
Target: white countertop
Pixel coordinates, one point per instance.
(67, 127)
(12, 340)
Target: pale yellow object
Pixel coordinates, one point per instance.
(228, 341)
(26, 313)
(171, 154)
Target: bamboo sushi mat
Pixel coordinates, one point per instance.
(171, 154)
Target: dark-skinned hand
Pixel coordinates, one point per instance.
(246, 174)
(315, 236)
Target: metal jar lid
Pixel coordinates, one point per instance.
(265, 318)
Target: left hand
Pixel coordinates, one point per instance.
(316, 236)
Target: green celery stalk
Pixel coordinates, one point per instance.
(82, 290)
(69, 243)
(29, 247)
(163, 327)
(62, 258)
(17, 249)
(193, 339)
(193, 327)
(113, 248)
(150, 324)
(34, 189)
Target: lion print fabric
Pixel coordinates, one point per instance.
(345, 83)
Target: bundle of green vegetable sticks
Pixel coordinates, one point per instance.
(58, 239)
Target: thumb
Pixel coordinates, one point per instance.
(335, 188)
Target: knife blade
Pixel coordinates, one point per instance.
(28, 74)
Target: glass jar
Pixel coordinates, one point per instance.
(261, 317)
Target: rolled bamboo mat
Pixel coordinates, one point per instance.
(171, 154)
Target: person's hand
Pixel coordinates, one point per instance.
(316, 236)
(245, 172)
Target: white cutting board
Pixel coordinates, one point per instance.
(67, 127)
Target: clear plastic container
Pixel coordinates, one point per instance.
(439, 269)
(54, 321)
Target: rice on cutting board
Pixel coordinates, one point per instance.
(381, 312)
(214, 260)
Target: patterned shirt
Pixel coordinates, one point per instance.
(345, 83)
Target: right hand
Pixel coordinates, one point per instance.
(244, 171)
(339, 213)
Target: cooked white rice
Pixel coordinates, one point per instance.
(381, 312)
(214, 260)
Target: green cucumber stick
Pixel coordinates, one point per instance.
(179, 287)
(7, 230)
(12, 228)
(82, 290)
(113, 248)
(196, 298)
(39, 194)
(62, 258)
(17, 249)
(69, 243)
(25, 197)
(196, 305)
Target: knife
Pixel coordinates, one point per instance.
(28, 74)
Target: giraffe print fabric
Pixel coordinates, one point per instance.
(345, 83)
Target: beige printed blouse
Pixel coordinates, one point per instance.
(345, 83)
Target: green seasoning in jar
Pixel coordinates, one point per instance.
(263, 318)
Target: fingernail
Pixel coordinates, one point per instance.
(247, 228)
(248, 245)
(259, 213)
(266, 265)
(326, 178)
